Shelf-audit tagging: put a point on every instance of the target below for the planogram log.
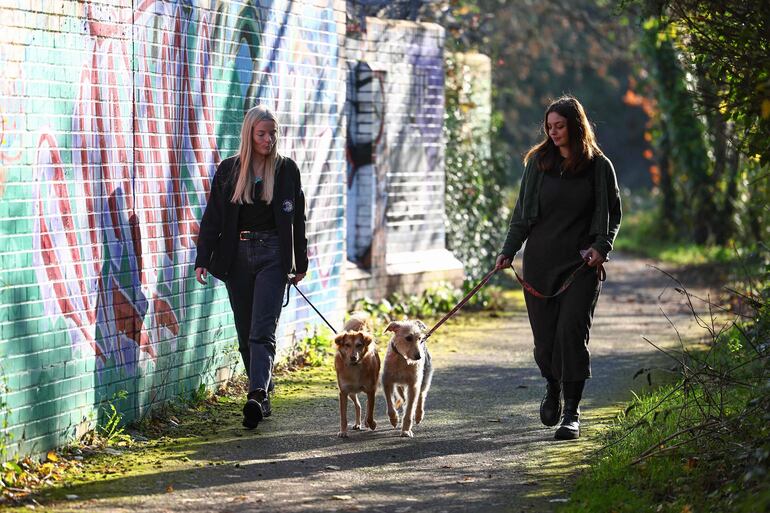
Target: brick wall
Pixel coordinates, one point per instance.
(113, 120)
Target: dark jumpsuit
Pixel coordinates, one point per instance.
(561, 325)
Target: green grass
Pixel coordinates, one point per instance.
(641, 234)
(650, 461)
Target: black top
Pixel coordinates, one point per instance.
(218, 235)
(257, 216)
(562, 228)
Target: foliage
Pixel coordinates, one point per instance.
(476, 215)
(432, 302)
(19, 478)
(109, 430)
(644, 234)
(728, 44)
(702, 443)
(308, 351)
(709, 81)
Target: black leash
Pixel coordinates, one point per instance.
(288, 289)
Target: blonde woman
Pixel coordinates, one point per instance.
(252, 237)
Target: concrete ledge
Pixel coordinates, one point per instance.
(408, 273)
(414, 271)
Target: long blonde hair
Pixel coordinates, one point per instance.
(245, 178)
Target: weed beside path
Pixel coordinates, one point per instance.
(480, 447)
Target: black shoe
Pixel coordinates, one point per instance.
(550, 406)
(570, 423)
(252, 410)
(267, 409)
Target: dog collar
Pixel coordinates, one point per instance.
(393, 346)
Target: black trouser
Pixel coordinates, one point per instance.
(255, 288)
(561, 328)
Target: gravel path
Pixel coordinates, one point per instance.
(480, 448)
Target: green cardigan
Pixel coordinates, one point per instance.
(606, 217)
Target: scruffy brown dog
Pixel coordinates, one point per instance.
(407, 373)
(358, 367)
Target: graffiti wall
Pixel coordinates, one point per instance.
(113, 121)
(396, 179)
(406, 117)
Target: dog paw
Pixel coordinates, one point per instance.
(407, 434)
(393, 418)
(371, 424)
(418, 417)
(357, 427)
(342, 434)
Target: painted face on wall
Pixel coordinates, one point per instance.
(556, 124)
(264, 136)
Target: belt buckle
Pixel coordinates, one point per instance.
(243, 235)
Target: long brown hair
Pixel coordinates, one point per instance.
(582, 141)
(245, 178)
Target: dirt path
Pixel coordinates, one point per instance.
(480, 448)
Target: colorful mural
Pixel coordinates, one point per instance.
(107, 181)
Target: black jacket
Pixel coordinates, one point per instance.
(218, 236)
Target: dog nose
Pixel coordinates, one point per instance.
(353, 359)
(417, 356)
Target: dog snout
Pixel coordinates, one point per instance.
(417, 356)
(354, 359)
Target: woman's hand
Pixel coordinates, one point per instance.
(200, 275)
(297, 278)
(594, 258)
(503, 262)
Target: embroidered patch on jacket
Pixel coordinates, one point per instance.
(287, 206)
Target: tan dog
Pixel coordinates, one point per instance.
(407, 369)
(358, 367)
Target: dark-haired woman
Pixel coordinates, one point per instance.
(252, 237)
(568, 211)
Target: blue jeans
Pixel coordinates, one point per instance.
(255, 287)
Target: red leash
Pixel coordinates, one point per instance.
(529, 288)
(533, 291)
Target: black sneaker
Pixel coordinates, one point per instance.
(252, 412)
(550, 406)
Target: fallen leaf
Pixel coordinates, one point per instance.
(52, 456)
(331, 467)
(71, 497)
(494, 420)
(342, 497)
(169, 488)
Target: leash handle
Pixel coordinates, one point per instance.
(602, 274)
(464, 300)
(311, 305)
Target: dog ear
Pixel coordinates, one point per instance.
(366, 338)
(393, 326)
(422, 325)
(339, 339)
